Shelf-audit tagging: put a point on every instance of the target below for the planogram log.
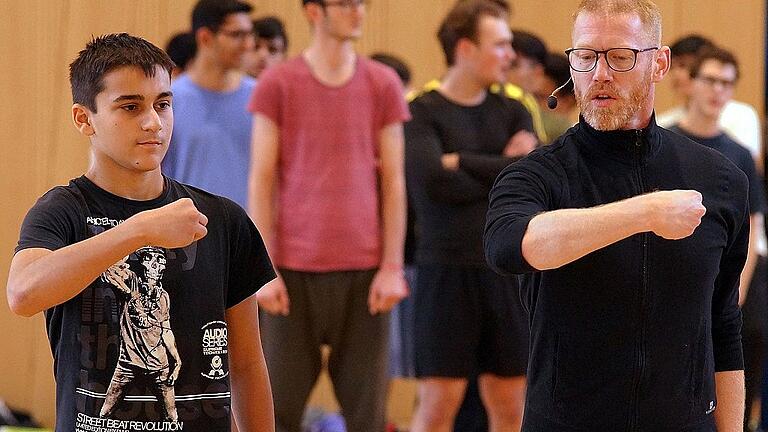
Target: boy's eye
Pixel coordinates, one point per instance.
(130, 107)
(164, 105)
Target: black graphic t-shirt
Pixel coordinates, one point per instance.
(144, 347)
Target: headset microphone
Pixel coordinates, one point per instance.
(552, 99)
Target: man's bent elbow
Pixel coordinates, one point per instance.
(532, 254)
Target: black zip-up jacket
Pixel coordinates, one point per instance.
(629, 337)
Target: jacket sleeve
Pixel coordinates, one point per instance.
(726, 314)
(424, 169)
(523, 190)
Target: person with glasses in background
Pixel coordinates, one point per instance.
(714, 74)
(738, 119)
(211, 148)
(630, 240)
(271, 45)
(327, 191)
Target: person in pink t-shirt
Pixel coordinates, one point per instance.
(327, 191)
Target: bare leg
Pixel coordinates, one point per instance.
(439, 401)
(504, 399)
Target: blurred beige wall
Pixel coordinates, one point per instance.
(38, 39)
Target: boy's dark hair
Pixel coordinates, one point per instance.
(556, 67)
(181, 49)
(108, 52)
(529, 45)
(270, 27)
(462, 23)
(720, 55)
(402, 69)
(690, 45)
(212, 13)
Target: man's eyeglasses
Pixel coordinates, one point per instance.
(240, 35)
(713, 81)
(346, 4)
(618, 59)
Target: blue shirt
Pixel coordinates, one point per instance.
(211, 143)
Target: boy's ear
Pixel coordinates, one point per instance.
(81, 117)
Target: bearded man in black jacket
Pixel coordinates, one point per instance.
(629, 240)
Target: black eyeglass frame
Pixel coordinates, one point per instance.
(345, 4)
(635, 51)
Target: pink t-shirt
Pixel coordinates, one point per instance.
(328, 215)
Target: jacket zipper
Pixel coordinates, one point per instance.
(634, 419)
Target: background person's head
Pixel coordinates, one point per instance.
(556, 73)
(398, 65)
(223, 32)
(527, 68)
(476, 38)
(271, 45)
(714, 74)
(181, 49)
(684, 52)
(340, 20)
(615, 90)
(121, 89)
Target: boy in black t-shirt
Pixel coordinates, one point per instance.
(147, 284)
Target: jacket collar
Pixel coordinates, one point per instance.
(625, 146)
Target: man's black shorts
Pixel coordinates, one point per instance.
(468, 320)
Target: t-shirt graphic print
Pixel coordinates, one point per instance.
(147, 343)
